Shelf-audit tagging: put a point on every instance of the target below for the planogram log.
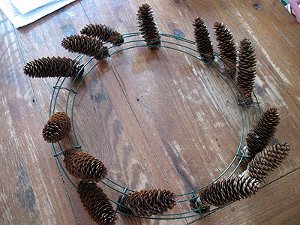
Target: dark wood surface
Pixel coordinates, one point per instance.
(158, 119)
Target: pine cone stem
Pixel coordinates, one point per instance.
(53, 67)
(104, 33)
(96, 202)
(84, 166)
(227, 48)
(86, 45)
(147, 26)
(203, 42)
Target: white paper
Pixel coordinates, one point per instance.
(25, 6)
(18, 19)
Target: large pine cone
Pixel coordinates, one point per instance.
(104, 33)
(246, 70)
(57, 127)
(267, 160)
(259, 137)
(86, 45)
(148, 202)
(84, 166)
(227, 48)
(96, 202)
(202, 38)
(147, 26)
(233, 189)
(53, 67)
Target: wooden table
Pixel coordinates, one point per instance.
(158, 119)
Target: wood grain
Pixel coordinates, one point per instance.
(28, 194)
(158, 119)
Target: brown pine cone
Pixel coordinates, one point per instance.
(57, 127)
(267, 160)
(147, 26)
(96, 202)
(227, 48)
(233, 189)
(53, 67)
(149, 202)
(202, 38)
(246, 70)
(84, 166)
(104, 33)
(86, 45)
(259, 137)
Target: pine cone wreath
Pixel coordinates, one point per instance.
(57, 127)
(86, 45)
(149, 202)
(233, 189)
(246, 70)
(267, 160)
(259, 137)
(202, 38)
(104, 33)
(227, 48)
(147, 26)
(84, 166)
(96, 202)
(53, 67)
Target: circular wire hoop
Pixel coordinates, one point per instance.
(168, 41)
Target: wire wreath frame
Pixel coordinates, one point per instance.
(184, 46)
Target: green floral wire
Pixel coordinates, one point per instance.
(59, 87)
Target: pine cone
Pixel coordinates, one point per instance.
(227, 48)
(84, 166)
(202, 38)
(267, 160)
(53, 67)
(86, 45)
(233, 189)
(57, 127)
(104, 33)
(149, 202)
(259, 137)
(246, 70)
(147, 26)
(96, 202)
